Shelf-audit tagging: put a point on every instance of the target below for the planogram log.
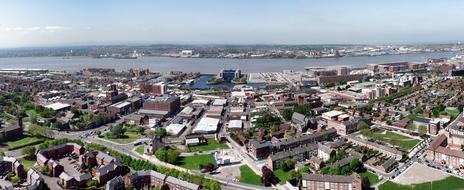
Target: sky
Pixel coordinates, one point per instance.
(30, 23)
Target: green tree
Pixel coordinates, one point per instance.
(29, 152)
(172, 156)
(287, 114)
(362, 125)
(117, 131)
(160, 132)
(162, 154)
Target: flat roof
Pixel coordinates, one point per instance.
(57, 106)
(219, 102)
(235, 124)
(332, 113)
(206, 124)
(174, 129)
(121, 104)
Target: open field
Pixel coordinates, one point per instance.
(419, 173)
(450, 183)
(140, 149)
(212, 145)
(247, 175)
(194, 162)
(128, 137)
(26, 163)
(282, 175)
(373, 179)
(23, 141)
(404, 142)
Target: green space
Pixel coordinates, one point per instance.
(247, 175)
(373, 179)
(24, 141)
(194, 162)
(449, 183)
(282, 175)
(401, 141)
(212, 145)
(140, 149)
(126, 138)
(27, 163)
(452, 111)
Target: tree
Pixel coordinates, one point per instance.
(366, 184)
(29, 151)
(15, 179)
(287, 114)
(161, 154)
(164, 187)
(139, 130)
(304, 109)
(91, 183)
(268, 177)
(356, 165)
(172, 156)
(289, 164)
(362, 126)
(116, 131)
(160, 132)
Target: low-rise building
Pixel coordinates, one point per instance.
(332, 182)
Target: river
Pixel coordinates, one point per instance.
(206, 65)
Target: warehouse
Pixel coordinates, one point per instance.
(206, 125)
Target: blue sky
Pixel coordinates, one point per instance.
(65, 22)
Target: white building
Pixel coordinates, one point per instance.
(206, 125)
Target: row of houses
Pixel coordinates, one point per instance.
(148, 179)
(66, 161)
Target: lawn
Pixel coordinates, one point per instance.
(212, 145)
(452, 111)
(282, 175)
(449, 183)
(140, 149)
(27, 163)
(394, 139)
(373, 179)
(24, 141)
(128, 137)
(247, 175)
(193, 162)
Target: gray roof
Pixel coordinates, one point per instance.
(111, 184)
(293, 152)
(106, 169)
(389, 163)
(258, 145)
(182, 183)
(329, 178)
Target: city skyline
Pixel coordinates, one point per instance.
(58, 23)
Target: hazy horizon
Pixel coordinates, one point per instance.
(54, 23)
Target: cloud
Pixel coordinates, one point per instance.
(37, 28)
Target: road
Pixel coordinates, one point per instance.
(89, 136)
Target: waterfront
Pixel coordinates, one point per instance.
(164, 64)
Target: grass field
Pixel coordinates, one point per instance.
(26, 163)
(247, 175)
(193, 162)
(373, 179)
(140, 149)
(212, 145)
(128, 137)
(452, 111)
(23, 141)
(450, 183)
(395, 139)
(282, 175)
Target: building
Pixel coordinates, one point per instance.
(161, 106)
(300, 154)
(338, 79)
(381, 148)
(175, 129)
(57, 160)
(113, 96)
(156, 89)
(149, 178)
(58, 106)
(441, 152)
(330, 182)
(259, 150)
(11, 131)
(206, 125)
(324, 152)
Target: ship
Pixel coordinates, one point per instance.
(133, 56)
